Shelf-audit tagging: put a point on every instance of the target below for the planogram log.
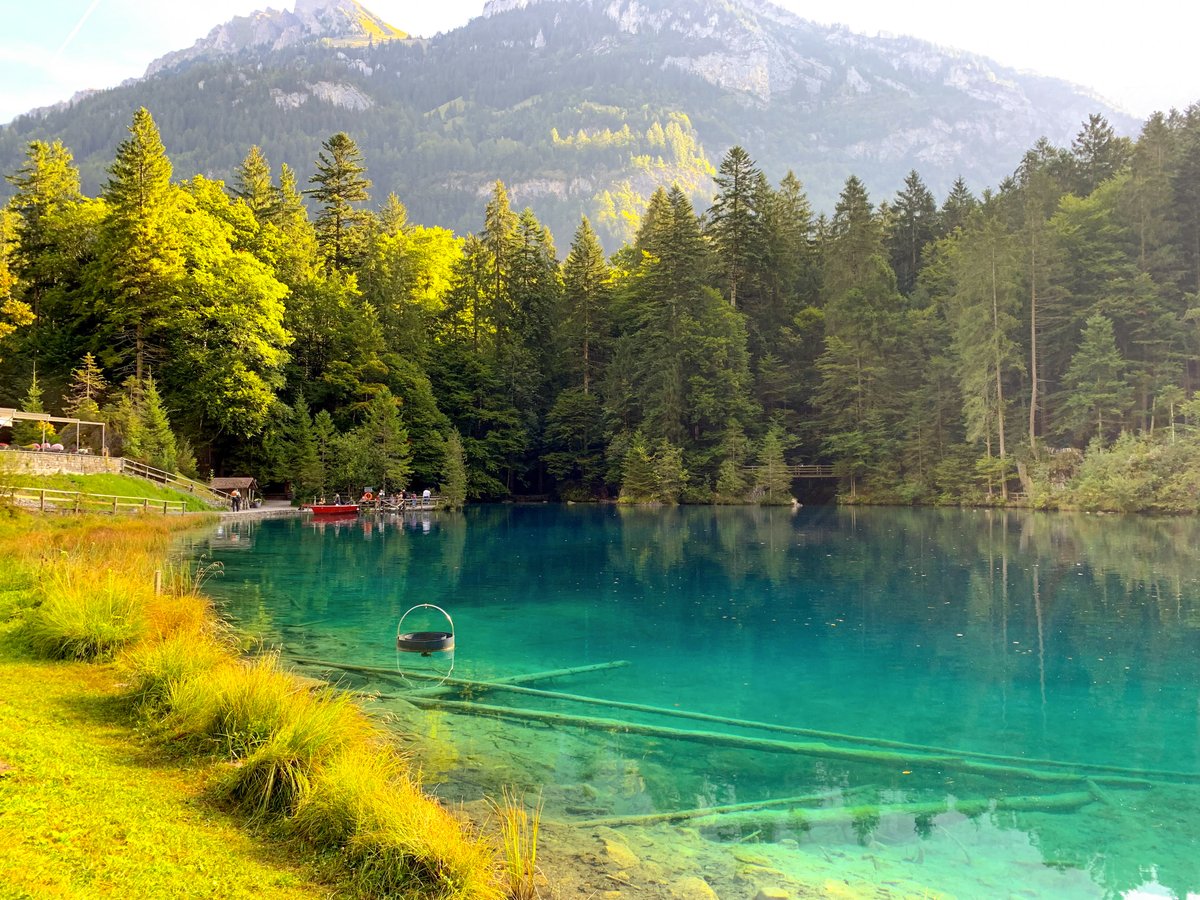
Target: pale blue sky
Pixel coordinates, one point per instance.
(1141, 59)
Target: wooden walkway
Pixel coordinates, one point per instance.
(803, 471)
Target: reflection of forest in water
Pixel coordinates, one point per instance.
(1068, 637)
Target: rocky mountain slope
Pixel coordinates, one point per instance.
(578, 105)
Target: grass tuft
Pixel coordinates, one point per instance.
(519, 837)
(78, 618)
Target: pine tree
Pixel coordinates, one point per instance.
(306, 471)
(341, 185)
(913, 225)
(957, 207)
(1094, 383)
(252, 183)
(383, 444)
(587, 294)
(325, 437)
(772, 478)
(87, 389)
(454, 472)
(141, 262)
(639, 483)
(25, 432)
(159, 449)
(1098, 154)
(734, 222)
(669, 473)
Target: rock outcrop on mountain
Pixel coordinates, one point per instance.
(582, 105)
(341, 22)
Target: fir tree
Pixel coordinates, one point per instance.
(159, 449)
(340, 185)
(26, 432)
(1095, 387)
(307, 474)
(773, 481)
(670, 476)
(252, 183)
(454, 472)
(639, 484)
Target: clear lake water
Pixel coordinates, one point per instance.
(959, 702)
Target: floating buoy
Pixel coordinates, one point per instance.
(426, 643)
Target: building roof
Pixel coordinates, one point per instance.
(242, 483)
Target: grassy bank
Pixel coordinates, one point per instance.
(239, 739)
(119, 485)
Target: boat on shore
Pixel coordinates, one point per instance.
(334, 509)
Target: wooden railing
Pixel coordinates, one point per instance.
(803, 471)
(49, 500)
(209, 495)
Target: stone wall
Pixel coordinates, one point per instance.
(29, 462)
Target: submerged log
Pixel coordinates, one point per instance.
(814, 749)
(846, 815)
(924, 749)
(459, 682)
(681, 815)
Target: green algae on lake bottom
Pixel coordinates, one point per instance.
(1039, 657)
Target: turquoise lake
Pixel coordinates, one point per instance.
(970, 703)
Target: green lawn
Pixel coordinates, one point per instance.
(88, 809)
(122, 485)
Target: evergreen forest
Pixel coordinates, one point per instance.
(1036, 344)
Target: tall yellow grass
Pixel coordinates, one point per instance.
(291, 751)
(519, 828)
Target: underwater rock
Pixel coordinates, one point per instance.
(620, 854)
(771, 893)
(693, 888)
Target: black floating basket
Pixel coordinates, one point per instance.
(425, 642)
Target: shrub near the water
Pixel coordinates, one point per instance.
(394, 839)
(78, 617)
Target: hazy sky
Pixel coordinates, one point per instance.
(1141, 59)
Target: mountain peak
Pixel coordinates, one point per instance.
(338, 22)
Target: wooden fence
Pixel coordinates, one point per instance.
(48, 500)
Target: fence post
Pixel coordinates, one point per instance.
(165, 502)
(115, 505)
(146, 505)
(158, 581)
(42, 500)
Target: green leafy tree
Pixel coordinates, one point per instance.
(14, 313)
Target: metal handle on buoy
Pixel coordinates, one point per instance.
(424, 642)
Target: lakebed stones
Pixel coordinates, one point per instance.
(772, 893)
(692, 888)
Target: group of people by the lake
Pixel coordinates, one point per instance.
(397, 500)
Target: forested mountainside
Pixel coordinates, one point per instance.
(579, 107)
(965, 349)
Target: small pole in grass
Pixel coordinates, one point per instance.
(158, 581)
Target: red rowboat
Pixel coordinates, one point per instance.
(332, 509)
